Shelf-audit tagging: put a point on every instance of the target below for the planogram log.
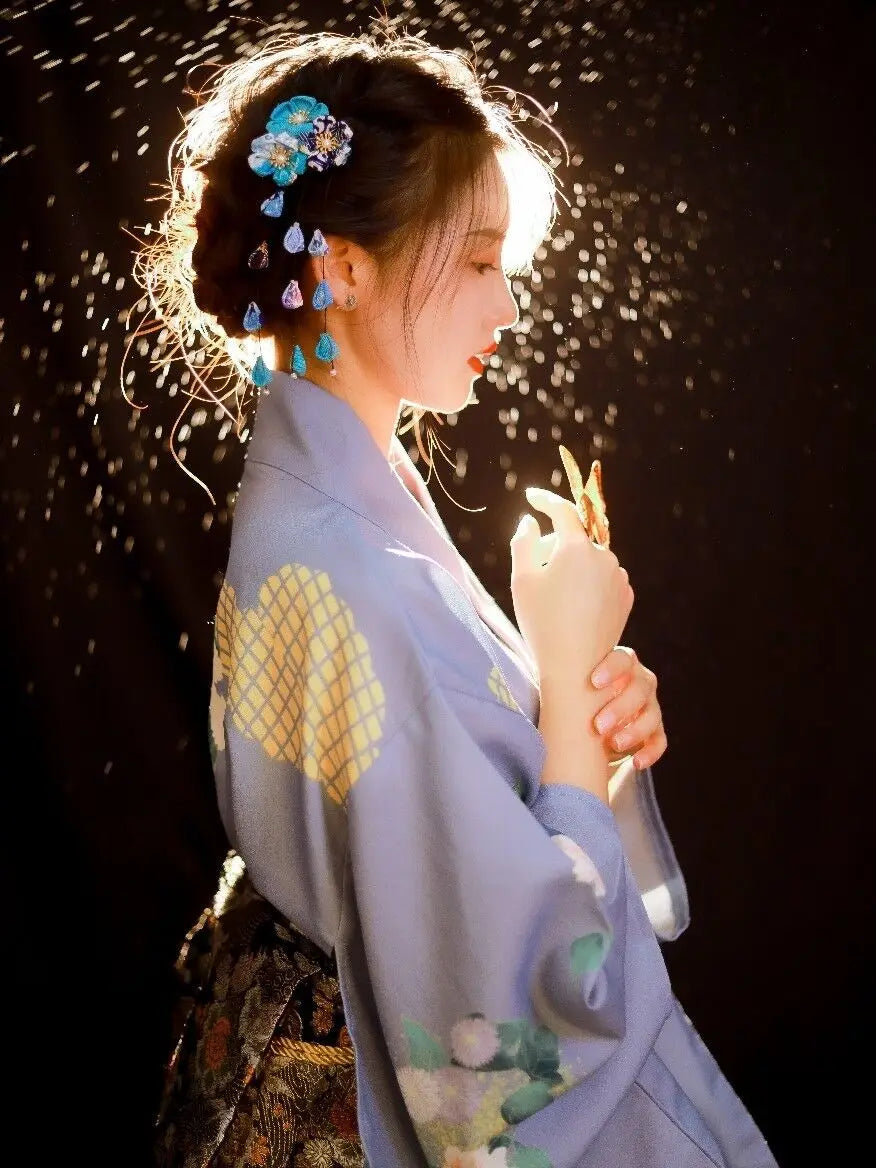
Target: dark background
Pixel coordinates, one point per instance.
(727, 140)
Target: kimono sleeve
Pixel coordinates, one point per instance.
(631, 797)
(633, 801)
(507, 963)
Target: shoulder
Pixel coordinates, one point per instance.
(322, 608)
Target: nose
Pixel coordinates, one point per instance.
(510, 312)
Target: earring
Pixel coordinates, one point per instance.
(350, 302)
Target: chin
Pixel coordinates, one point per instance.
(446, 399)
(447, 406)
(452, 403)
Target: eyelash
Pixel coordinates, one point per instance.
(484, 267)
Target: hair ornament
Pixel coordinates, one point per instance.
(298, 365)
(253, 319)
(326, 347)
(277, 156)
(300, 134)
(258, 259)
(293, 240)
(317, 245)
(292, 297)
(322, 297)
(273, 207)
(261, 374)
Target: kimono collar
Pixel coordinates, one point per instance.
(314, 436)
(306, 431)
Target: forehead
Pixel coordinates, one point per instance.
(485, 216)
(479, 218)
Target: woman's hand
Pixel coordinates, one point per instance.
(570, 585)
(631, 719)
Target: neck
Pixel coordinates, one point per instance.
(377, 408)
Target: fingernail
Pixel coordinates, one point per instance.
(604, 721)
(599, 677)
(538, 491)
(621, 740)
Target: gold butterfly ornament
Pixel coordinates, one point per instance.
(590, 505)
(589, 498)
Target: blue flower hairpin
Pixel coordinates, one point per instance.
(300, 133)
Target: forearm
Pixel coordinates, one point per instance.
(575, 752)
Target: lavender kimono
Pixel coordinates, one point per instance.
(373, 728)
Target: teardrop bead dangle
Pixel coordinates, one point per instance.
(298, 365)
(293, 240)
(261, 374)
(258, 260)
(326, 347)
(273, 207)
(292, 297)
(253, 321)
(318, 245)
(322, 297)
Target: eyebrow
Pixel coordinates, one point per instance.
(492, 232)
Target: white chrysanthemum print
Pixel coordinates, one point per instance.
(474, 1041)
(583, 868)
(422, 1094)
(475, 1158)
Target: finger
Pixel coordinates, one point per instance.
(546, 546)
(632, 695)
(618, 663)
(560, 511)
(524, 542)
(651, 751)
(629, 695)
(636, 733)
(529, 546)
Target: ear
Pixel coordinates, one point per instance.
(348, 268)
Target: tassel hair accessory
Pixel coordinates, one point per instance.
(300, 133)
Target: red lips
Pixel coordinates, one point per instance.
(476, 363)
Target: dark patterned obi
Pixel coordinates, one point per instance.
(262, 1073)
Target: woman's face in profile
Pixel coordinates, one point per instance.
(461, 312)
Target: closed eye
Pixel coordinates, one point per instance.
(485, 267)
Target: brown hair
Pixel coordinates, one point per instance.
(423, 131)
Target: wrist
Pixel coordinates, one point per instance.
(575, 751)
(576, 698)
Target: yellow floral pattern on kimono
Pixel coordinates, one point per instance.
(296, 676)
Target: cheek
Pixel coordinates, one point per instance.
(445, 319)
(439, 325)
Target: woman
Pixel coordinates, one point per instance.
(436, 938)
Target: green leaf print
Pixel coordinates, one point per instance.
(427, 1054)
(519, 1155)
(510, 1033)
(589, 952)
(525, 1101)
(539, 1053)
(501, 1141)
(510, 1036)
(522, 1157)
